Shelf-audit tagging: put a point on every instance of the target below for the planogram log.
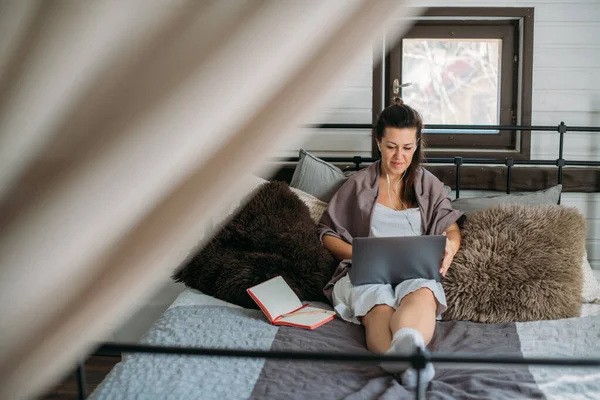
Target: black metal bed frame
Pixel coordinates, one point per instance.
(419, 359)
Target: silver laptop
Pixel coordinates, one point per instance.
(396, 259)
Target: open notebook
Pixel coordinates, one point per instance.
(281, 305)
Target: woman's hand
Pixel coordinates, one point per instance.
(452, 245)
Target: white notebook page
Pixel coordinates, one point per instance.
(276, 296)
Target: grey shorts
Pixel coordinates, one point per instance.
(352, 302)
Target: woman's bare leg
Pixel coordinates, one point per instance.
(377, 328)
(417, 310)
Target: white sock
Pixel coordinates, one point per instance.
(409, 377)
(405, 342)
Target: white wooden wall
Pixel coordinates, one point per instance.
(566, 82)
(566, 86)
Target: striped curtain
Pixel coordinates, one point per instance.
(123, 126)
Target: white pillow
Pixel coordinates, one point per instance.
(315, 206)
(591, 287)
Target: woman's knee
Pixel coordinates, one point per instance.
(421, 297)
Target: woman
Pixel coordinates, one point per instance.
(394, 196)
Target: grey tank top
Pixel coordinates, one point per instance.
(387, 222)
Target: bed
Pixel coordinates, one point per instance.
(199, 320)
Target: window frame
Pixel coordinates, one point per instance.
(515, 27)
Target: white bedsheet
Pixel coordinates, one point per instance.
(591, 309)
(199, 320)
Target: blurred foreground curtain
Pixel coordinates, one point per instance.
(123, 126)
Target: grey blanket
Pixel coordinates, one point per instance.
(202, 321)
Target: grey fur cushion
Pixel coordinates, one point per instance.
(517, 263)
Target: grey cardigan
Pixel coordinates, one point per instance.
(350, 210)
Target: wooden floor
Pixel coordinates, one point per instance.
(96, 368)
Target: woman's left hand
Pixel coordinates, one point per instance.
(451, 250)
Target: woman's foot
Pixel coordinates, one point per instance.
(409, 377)
(405, 342)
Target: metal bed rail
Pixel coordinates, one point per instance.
(509, 162)
(419, 359)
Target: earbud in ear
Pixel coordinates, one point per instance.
(378, 146)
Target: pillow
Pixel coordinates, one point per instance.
(317, 177)
(316, 207)
(273, 234)
(469, 205)
(320, 178)
(591, 287)
(516, 264)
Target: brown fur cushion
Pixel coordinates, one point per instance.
(273, 234)
(517, 263)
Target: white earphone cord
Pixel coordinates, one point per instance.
(399, 199)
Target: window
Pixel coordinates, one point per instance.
(465, 66)
(454, 81)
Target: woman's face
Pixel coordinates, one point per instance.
(398, 146)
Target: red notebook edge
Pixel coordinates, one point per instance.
(261, 305)
(318, 324)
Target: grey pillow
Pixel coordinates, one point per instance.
(469, 205)
(317, 177)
